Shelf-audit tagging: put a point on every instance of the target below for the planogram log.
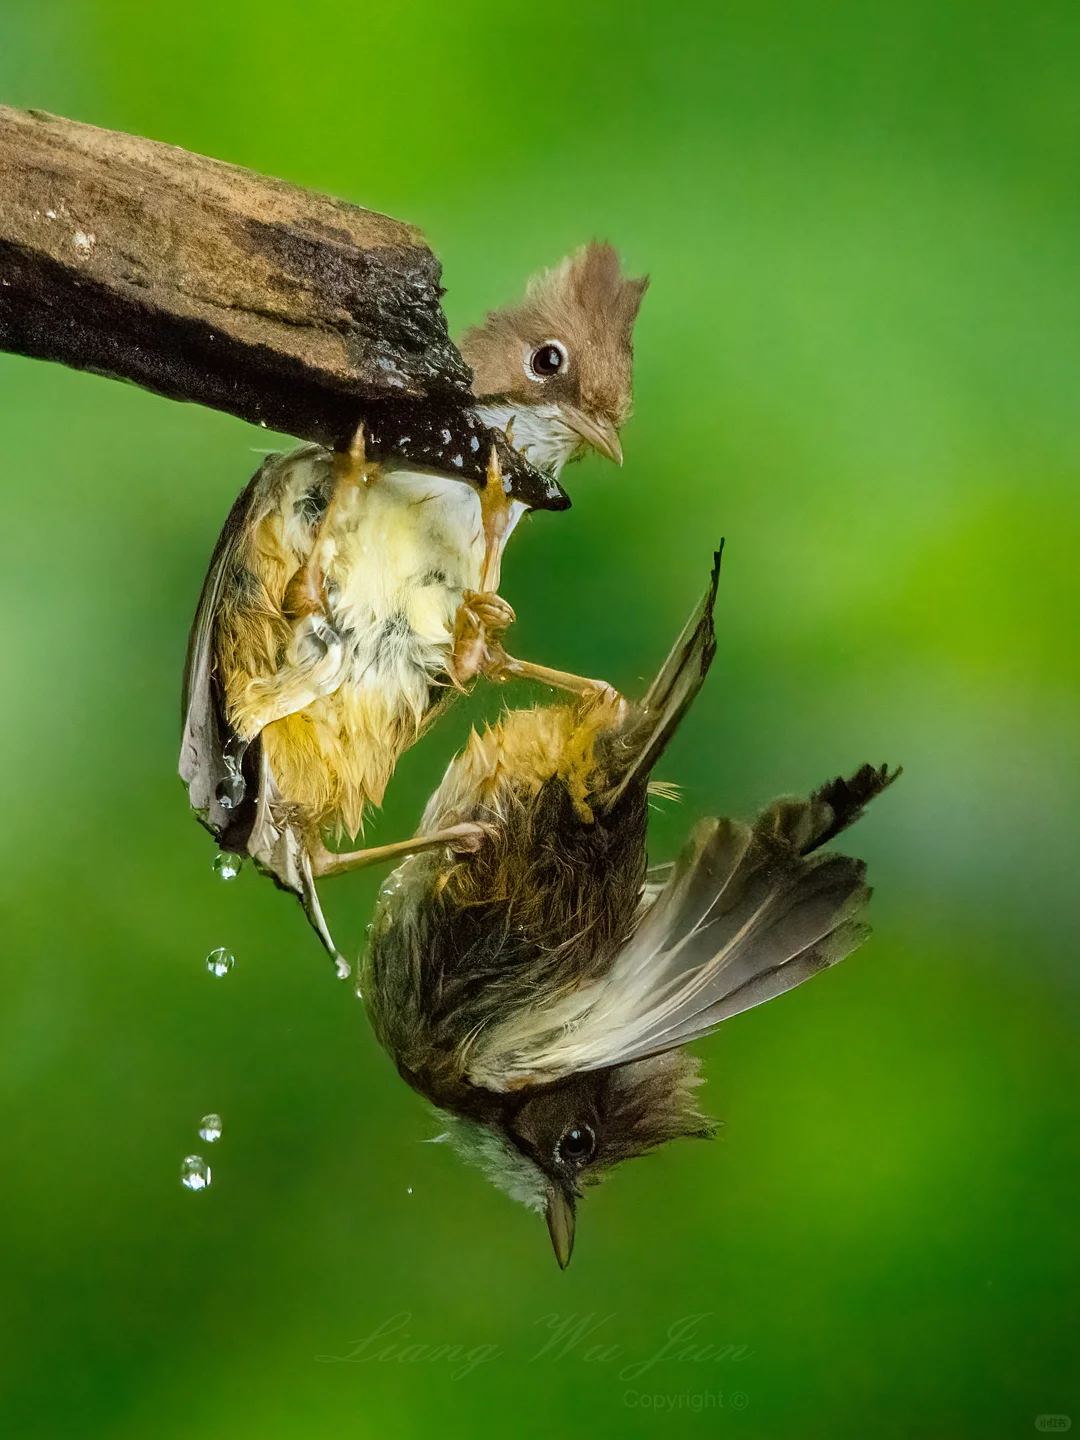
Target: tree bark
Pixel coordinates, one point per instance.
(205, 282)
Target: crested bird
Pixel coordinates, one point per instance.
(346, 600)
(540, 992)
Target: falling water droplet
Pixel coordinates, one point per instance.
(219, 962)
(210, 1128)
(195, 1173)
(227, 866)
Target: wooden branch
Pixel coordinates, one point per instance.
(205, 282)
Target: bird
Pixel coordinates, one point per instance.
(347, 600)
(540, 991)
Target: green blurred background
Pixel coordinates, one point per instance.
(859, 360)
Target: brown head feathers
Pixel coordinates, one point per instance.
(569, 342)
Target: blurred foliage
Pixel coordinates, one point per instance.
(860, 361)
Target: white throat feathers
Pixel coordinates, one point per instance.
(538, 431)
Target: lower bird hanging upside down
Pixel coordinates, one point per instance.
(539, 992)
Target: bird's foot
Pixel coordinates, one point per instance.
(492, 611)
(482, 619)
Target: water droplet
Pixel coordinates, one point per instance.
(409, 1190)
(227, 866)
(210, 1128)
(230, 791)
(219, 962)
(195, 1173)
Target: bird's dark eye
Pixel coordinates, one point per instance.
(577, 1145)
(547, 360)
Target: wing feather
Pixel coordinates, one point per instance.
(672, 692)
(748, 913)
(211, 754)
(230, 784)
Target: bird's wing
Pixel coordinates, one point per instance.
(670, 695)
(230, 784)
(749, 912)
(212, 756)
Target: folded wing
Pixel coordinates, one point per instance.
(750, 911)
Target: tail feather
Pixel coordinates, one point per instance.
(806, 825)
(671, 694)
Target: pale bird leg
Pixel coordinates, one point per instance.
(494, 518)
(478, 649)
(483, 611)
(505, 667)
(484, 617)
(465, 839)
(305, 593)
(315, 657)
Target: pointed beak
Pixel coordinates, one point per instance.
(560, 1219)
(596, 430)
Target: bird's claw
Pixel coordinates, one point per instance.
(481, 621)
(493, 613)
(607, 695)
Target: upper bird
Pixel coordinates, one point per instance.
(344, 598)
(540, 990)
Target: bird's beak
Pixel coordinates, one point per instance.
(560, 1219)
(596, 430)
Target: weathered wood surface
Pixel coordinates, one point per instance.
(206, 282)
